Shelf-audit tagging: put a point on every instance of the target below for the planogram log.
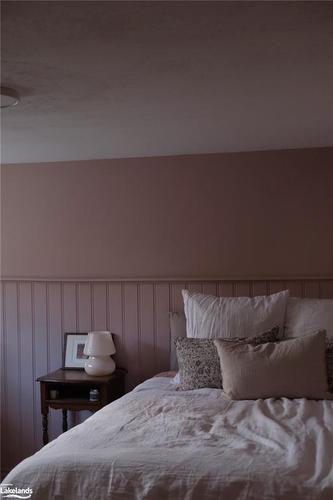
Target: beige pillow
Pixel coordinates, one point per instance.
(293, 368)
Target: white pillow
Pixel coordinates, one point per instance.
(306, 316)
(228, 317)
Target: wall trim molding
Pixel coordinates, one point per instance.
(43, 279)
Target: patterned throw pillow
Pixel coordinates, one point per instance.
(329, 362)
(199, 363)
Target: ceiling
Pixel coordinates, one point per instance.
(124, 79)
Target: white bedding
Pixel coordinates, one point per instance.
(158, 443)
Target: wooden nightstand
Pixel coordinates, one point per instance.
(73, 388)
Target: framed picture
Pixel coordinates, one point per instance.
(74, 358)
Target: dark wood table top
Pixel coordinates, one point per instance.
(74, 376)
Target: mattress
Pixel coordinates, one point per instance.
(159, 443)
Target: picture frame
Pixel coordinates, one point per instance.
(73, 356)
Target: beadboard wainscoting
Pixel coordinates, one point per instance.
(35, 315)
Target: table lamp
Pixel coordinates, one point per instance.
(99, 347)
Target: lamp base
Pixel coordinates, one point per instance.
(99, 365)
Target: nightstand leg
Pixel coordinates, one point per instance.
(64, 421)
(45, 433)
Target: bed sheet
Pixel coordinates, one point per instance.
(160, 443)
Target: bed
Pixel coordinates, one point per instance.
(160, 443)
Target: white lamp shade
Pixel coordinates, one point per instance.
(99, 344)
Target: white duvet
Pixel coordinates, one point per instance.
(159, 443)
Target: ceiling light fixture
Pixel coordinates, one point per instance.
(8, 98)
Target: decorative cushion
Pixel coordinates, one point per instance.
(292, 368)
(177, 329)
(230, 317)
(199, 364)
(306, 316)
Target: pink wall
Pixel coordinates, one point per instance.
(243, 214)
(249, 214)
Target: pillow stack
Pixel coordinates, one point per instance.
(255, 320)
(235, 342)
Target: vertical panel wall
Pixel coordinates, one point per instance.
(35, 315)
